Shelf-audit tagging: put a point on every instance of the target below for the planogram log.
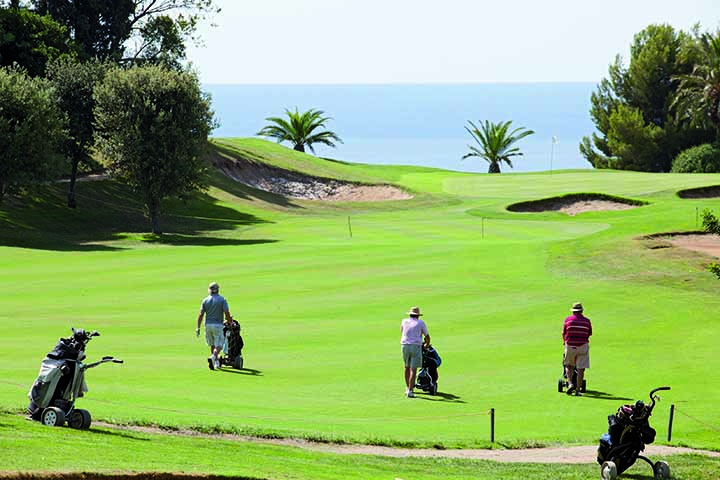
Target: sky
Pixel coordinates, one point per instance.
(422, 41)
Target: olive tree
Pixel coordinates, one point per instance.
(31, 131)
(74, 84)
(152, 125)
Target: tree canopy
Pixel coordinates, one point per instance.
(130, 31)
(631, 108)
(698, 98)
(30, 40)
(74, 83)
(152, 126)
(31, 131)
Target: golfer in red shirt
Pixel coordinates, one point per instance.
(576, 336)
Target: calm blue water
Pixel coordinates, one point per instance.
(421, 124)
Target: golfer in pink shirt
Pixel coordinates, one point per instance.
(413, 331)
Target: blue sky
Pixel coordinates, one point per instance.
(422, 41)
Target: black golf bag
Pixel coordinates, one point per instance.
(428, 375)
(629, 431)
(233, 345)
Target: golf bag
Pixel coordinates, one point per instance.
(628, 432)
(61, 381)
(428, 375)
(233, 345)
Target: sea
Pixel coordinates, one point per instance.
(421, 124)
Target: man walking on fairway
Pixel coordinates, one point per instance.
(576, 336)
(413, 330)
(215, 309)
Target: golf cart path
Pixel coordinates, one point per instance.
(572, 454)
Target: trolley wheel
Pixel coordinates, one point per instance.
(608, 471)
(561, 384)
(662, 470)
(238, 363)
(52, 417)
(433, 388)
(80, 419)
(584, 386)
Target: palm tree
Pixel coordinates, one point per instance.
(698, 96)
(496, 144)
(300, 129)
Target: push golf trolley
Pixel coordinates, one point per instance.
(563, 381)
(61, 382)
(628, 433)
(233, 346)
(427, 377)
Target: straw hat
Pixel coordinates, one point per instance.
(214, 287)
(415, 311)
(577, 307)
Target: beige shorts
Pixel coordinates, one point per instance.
(214, 335)
(578, 357)
(412, 355)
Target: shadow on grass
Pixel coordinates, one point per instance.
(121, 434)
(439, 397)
(108, 211)
(244, 371)
(605, 396)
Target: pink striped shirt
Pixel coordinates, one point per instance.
(577, 330)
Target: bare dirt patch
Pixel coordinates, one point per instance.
(574, 204)
(296, 185)
(571, 454)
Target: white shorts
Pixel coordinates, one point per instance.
(214, 335)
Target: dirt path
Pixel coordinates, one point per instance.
(574, 454)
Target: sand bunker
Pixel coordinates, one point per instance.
(295, 185)
(707, 244)
(574, 204)
(712, 191)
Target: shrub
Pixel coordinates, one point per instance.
(700, 159)
(710, 222)
(714, 268)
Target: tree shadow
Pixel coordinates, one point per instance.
(598, 395)
(439, 397)
(109, 211)
(243, 371)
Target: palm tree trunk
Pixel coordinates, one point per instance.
(494, 167)
(299, 147)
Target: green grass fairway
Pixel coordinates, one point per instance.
(321, 310)
(109, 451)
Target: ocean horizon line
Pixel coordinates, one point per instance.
(399, 84)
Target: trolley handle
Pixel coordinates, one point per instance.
(654, 397)
(104, 360)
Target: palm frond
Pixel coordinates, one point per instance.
(301, 129)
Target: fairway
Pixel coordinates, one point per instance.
(320, 289)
